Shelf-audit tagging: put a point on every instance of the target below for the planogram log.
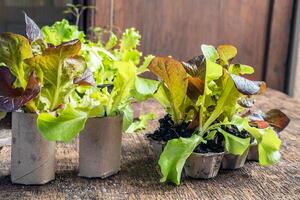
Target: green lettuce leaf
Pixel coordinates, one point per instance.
(238, 69)
(144, 88)
(209, 52)
(124, 83)
(60, 32)
(129, 42)
(268, 148)
(141, 123)
(130, 39)
(128, 115)
(174, 155)
(112, 41)
(162, 97)
(235, 145)
(144, 67)
(267, 139)
(66, 126)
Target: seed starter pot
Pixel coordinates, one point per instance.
(32, 156)
(253, 152)
(100, 147)
(231, 161)
(203, 165)
(157, 147)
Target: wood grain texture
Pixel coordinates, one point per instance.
(278, 47)
(139, 177)
(102, 13)
(178, 28)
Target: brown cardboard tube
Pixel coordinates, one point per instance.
(203, 165)
(253, 153)
(100, 147)
(32, 157)
(231, 161)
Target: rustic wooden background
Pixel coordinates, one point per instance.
(259, 28)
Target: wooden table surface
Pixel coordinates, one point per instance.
(139, 177)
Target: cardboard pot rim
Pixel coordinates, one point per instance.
(208, 154)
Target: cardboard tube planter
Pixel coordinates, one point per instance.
(203, 165)
(100, 147)
(32, 157)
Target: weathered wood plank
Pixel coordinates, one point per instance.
(278, 44)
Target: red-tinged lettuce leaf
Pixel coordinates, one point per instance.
(14, 49)
(33, 32)
(14, 98)
(195, 88)
(273, 118)
(174, 77)
(60, 65)
(195, 121)
(195, 66)
(226, 53)
(66, 49)
(87, 79)
(259, 124)
(248, 87)
(276, 119)
(256, 119)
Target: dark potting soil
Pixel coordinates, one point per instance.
(235, 131)
(168, 131)
(212, 146)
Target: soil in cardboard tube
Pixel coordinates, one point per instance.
(168, 131)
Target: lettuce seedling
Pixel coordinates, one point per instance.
(112, 68)
(218, 95)
(40, 81)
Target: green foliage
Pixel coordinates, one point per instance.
(61, 31)
(233, 144)
(212, 87)
(123, 85)
(114, 66)
(173, 157)
(63, 127)
(141, 123)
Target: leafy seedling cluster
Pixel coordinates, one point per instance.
(65, 78)
(209, 103)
